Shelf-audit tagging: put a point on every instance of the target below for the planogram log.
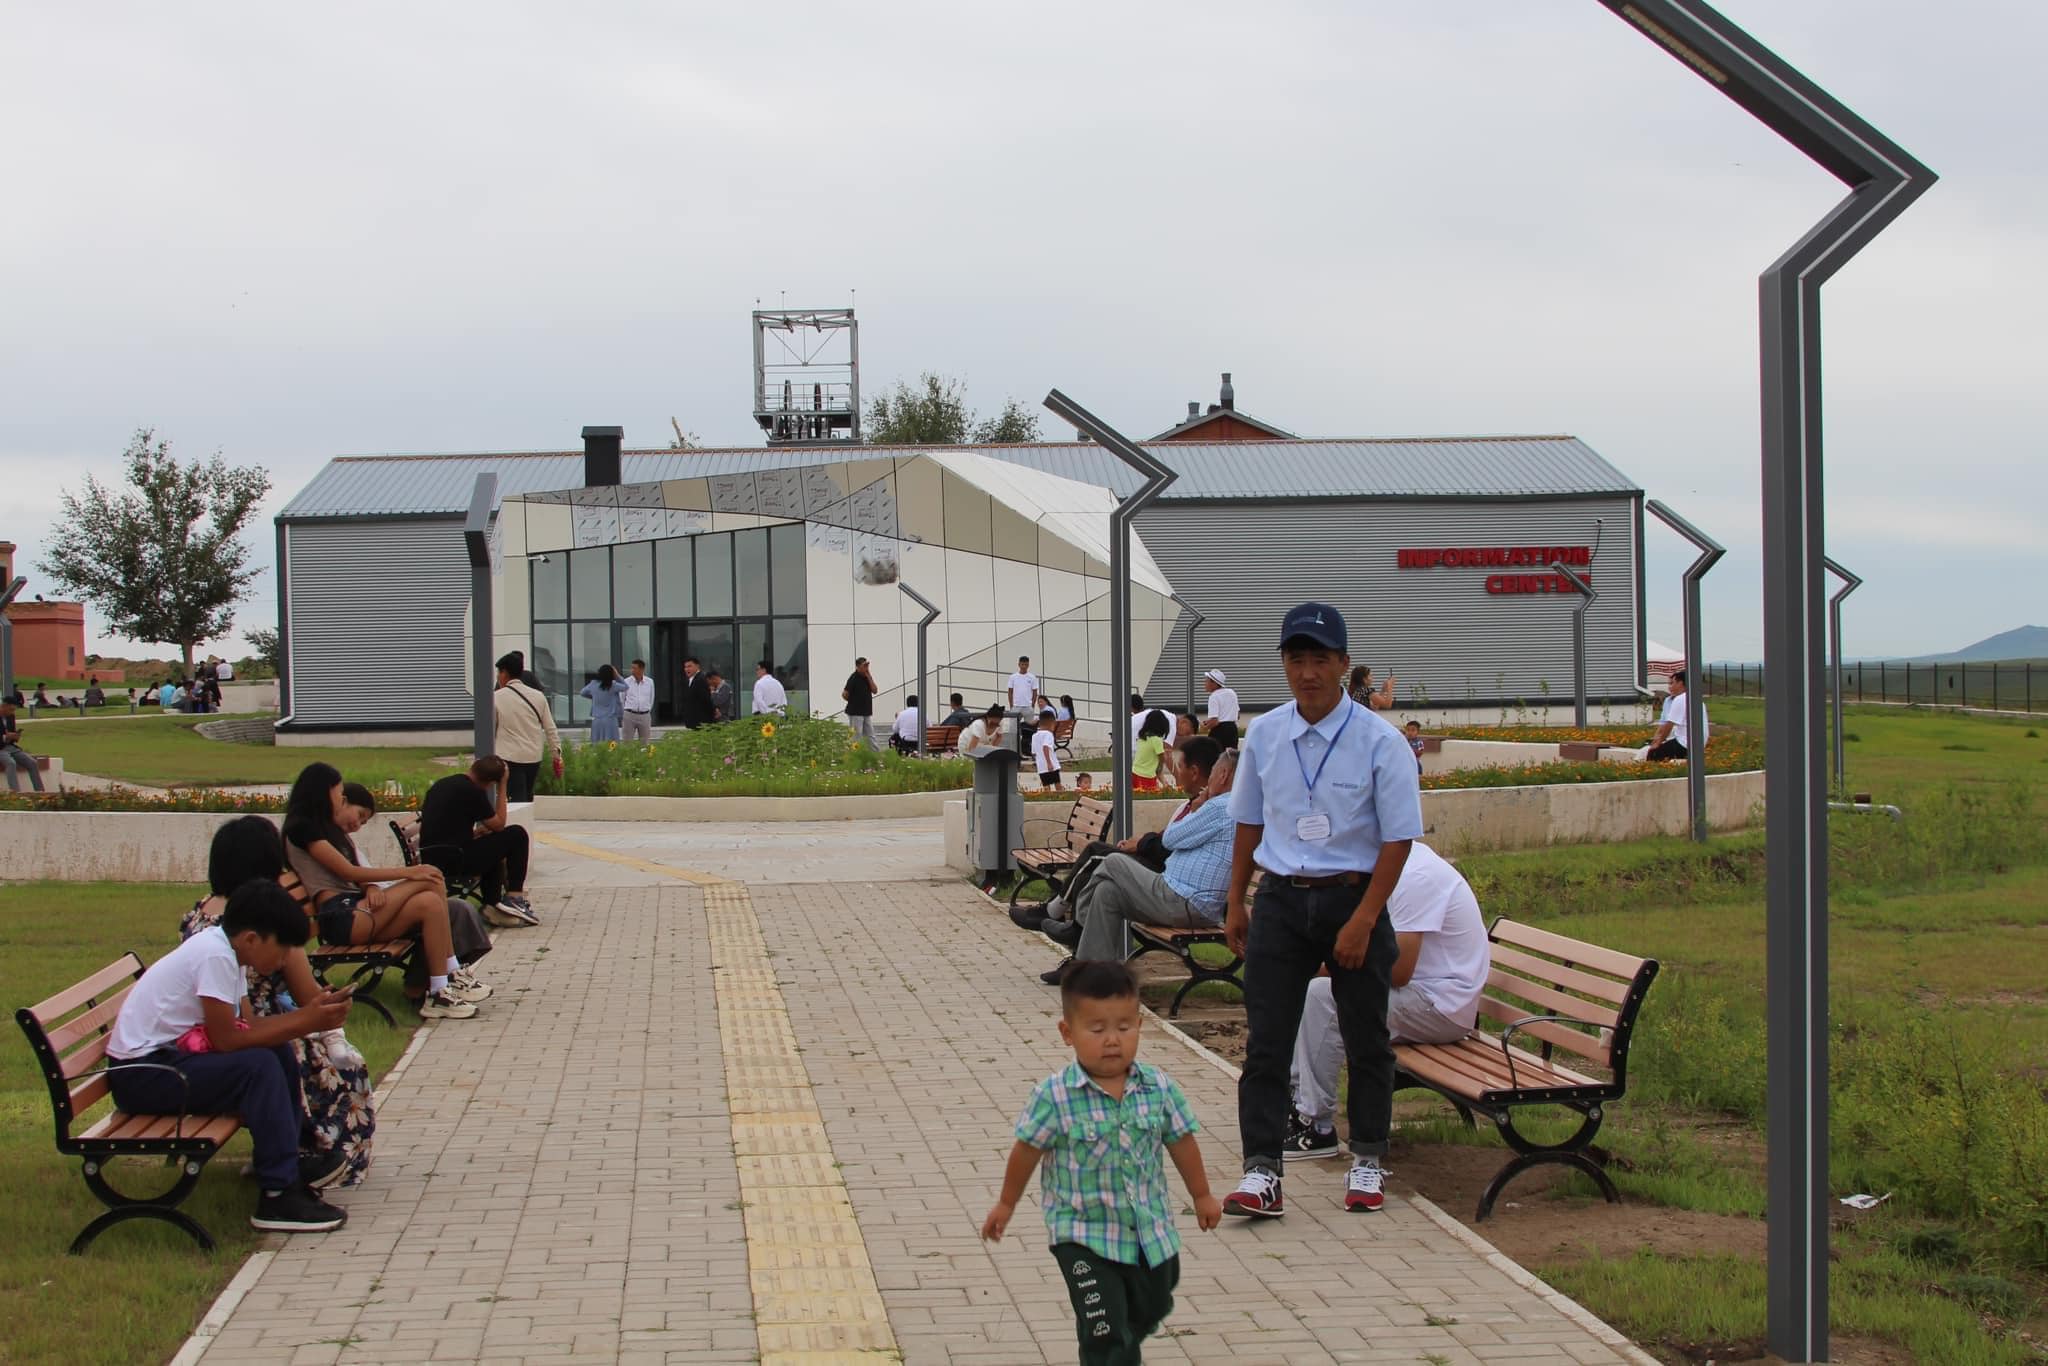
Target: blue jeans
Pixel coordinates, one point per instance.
(14, 757)
(259, 1084)
(1293, 933)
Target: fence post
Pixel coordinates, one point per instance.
(1994, 685)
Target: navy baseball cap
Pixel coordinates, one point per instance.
(1319, 622)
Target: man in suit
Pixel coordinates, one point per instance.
(693, 705)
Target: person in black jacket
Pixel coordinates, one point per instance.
(693, 703)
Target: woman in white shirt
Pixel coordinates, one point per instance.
(985, 734)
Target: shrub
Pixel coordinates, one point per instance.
(761, 756)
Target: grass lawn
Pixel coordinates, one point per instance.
(164, 751)
(143, 1285)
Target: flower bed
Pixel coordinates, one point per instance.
(759, 757)
(1629, 737)
(199, 799)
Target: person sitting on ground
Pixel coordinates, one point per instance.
(207, 1055)
(13, 757)
(466, 833)
(167, 695)
(468, 937)
(1413, 730)
(1444, 962)
(959, 716)
(95, 695)
(334, 1081)
(42, 696)
(1151, 748)
(1188, 895)
(909, 729)
(985, 734)
(1044, 754)
(1670, 741)
(770, 697)
(348, 905)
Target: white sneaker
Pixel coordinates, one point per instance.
(339, 1050)
(443, 1006)
(467, 986)
(1362, 1186)
(518, 914)
(499, 919)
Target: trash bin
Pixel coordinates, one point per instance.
(995, 813)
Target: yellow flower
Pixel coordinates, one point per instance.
(611, 744)
(650, 749)
(767, 730)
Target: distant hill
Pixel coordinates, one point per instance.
(2022, 642)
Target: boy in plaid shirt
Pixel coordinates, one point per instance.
(1094, 1132)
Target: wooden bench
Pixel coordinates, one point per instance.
(1559, 994)
(941, 739)
(1063, 737)
(406, 830)
(1181, 944)
(68, 1034)
(1088, 821)
(371, 961)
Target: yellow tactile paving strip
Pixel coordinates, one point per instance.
(815, 1297)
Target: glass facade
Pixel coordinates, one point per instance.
(725, 598)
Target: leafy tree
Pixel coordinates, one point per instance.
(162, 559)
(1014, 424)
(263, 641)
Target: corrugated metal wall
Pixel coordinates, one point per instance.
(1243, 565)
(376, 632)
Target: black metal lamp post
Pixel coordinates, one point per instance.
(1196, 619)
(924, 700)
(476, 539)
(1882, 179)
(1850, 583)
(1586, 598)
(1695, 681)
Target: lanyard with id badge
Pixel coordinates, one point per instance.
(1315, 826)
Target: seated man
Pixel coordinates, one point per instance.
(1670, 741)
(463, 832)
(1188, 895)
(13, 757)
(959, 716)
(95, 695)
(208, 1054)
(909, 728)
(1437, 979)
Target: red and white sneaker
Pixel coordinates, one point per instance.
(1256, 1197)
(1362, 1186)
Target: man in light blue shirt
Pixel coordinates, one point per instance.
(1327, 802)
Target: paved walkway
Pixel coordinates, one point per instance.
(708, 1120)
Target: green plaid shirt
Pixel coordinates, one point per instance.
(1104, 1174)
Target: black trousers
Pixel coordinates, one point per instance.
(498, 860)
(1294, 933)
(519, 782)
(1116, 1305)
(259, 1084)
(1670, 749)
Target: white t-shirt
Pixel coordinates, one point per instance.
(769, 695)
(1674, 712)
(1042, 752)
(1138, 724)
(980, 736)
(1223, 705)
(907, 725)
(161, 1007)
(225, 673)
(1432, 899)
(1023, 689)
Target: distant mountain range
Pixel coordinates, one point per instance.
(2022, 642)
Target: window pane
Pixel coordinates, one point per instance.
(753, 649)
(792, 655)
(714, 574)
(674, 579)
(635, 642)
(633, 579)
(551, 662)
(786, 554)
(593, 645)
(550, 586)
(590, 583)
(751, 550)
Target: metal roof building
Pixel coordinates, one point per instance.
(1436, 549)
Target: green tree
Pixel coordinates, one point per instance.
(1015, 424)
(263, 641)
(162, 559)
(934, 412)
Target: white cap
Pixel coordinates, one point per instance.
(1215, 676)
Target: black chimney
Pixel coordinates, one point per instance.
(1229, 395)
(601, 464)
(1194, 409)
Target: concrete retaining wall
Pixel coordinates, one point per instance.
(240, 730)
(765, 809)
(143, 846)
(1479, 819)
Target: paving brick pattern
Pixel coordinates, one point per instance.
(556, 1180)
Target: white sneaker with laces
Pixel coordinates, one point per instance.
(1257, 1196)
(443, 1006)
(467, 986)
(521, 915)
(1362, 1186)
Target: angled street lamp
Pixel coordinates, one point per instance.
(1586, 598)
(924, 699)
(1883, 179)
(476, 540)
(1197, 620)
(1711, 552)
(1850, 583)
(1157, 477)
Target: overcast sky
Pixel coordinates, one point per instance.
(289, 233)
